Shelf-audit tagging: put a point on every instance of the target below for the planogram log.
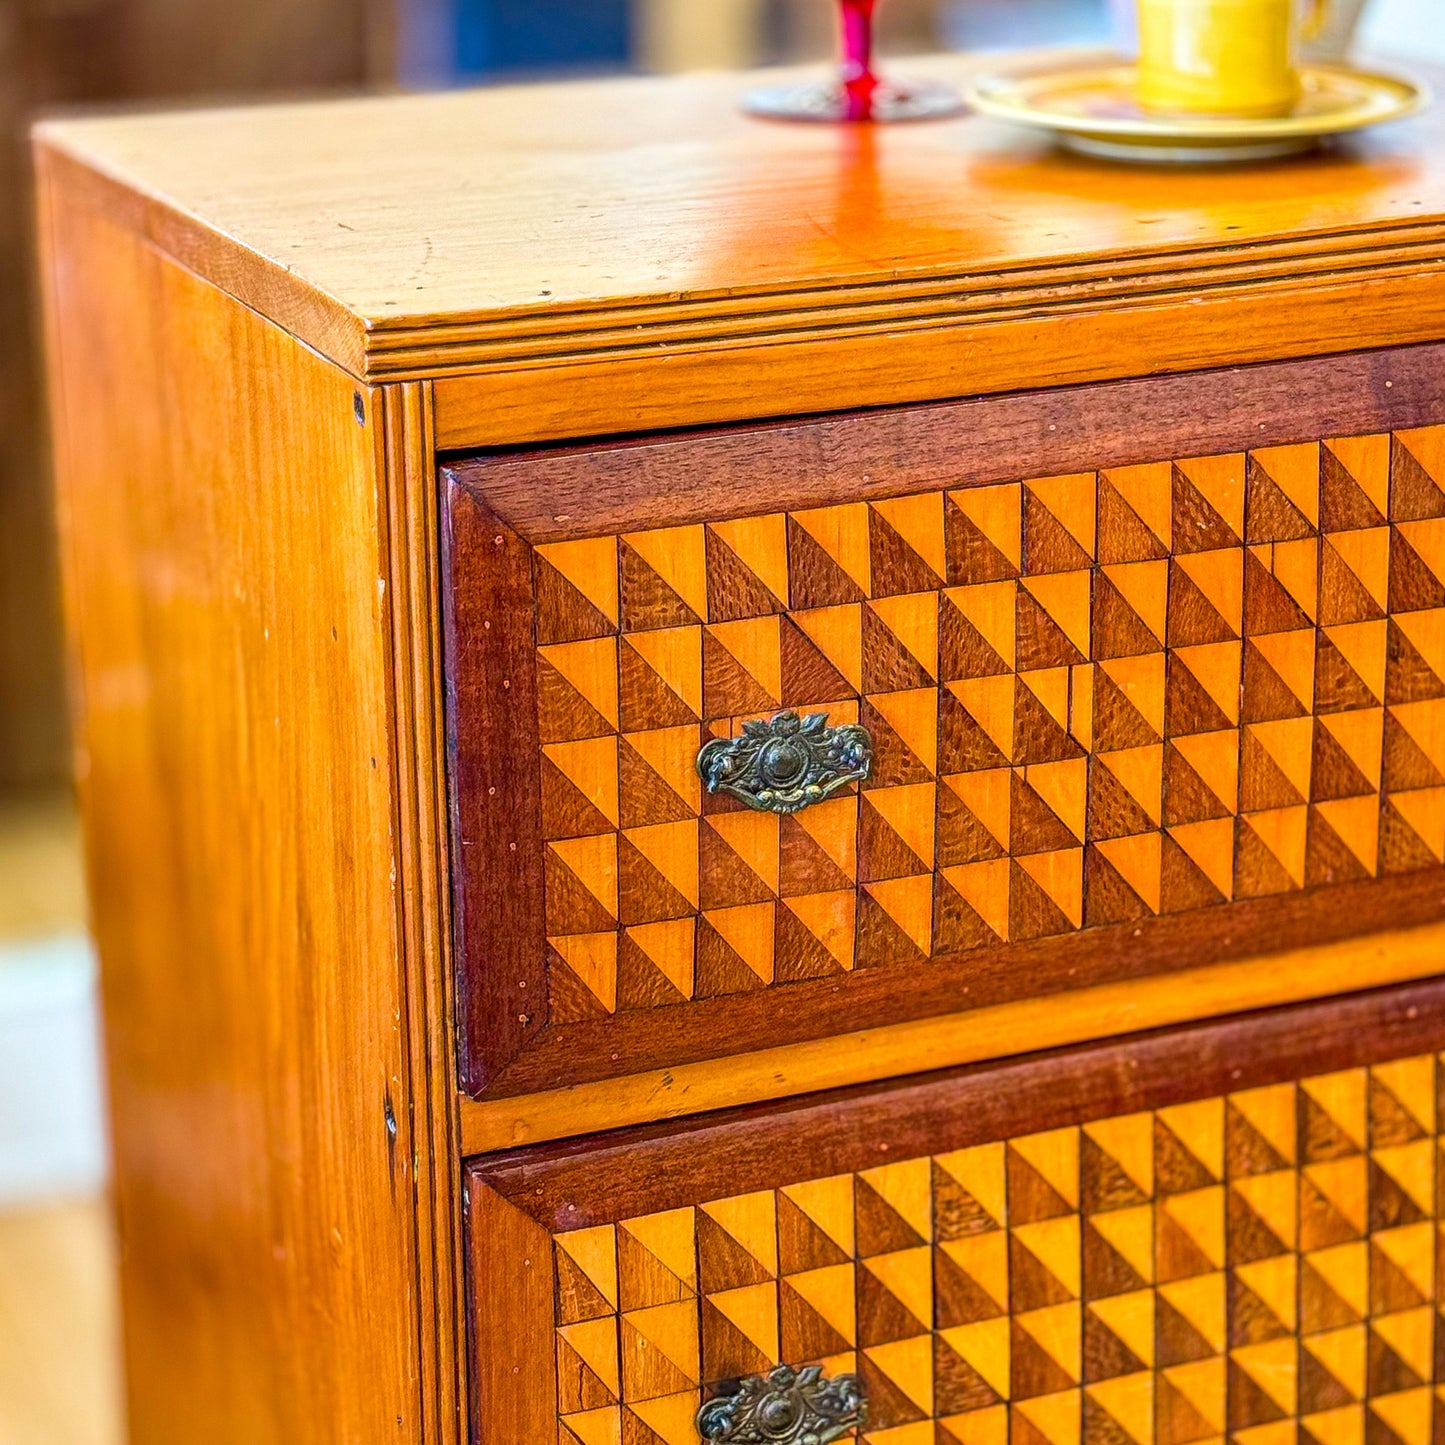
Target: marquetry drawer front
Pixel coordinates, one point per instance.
(1094, 700)
(1132, 1258)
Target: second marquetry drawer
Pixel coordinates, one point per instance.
(1226, 1232)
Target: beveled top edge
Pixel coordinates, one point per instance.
(604, 217)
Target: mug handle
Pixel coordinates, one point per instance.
(1316, 14)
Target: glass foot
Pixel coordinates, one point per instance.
(890, 101)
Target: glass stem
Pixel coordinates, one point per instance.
(859, 81)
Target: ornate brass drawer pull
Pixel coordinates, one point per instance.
(788, 762)
(785, 1407)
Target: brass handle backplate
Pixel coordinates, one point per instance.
(787, 763)
(785, 1407)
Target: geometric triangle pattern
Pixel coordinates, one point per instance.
(1253, 1268)
(1094, 699)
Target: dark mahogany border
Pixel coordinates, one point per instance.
(497, 505)
(495, 789)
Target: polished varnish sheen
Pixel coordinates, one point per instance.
(438, 475)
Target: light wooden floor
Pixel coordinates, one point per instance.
(59, 1376)
(58, 1354)
(41, 888)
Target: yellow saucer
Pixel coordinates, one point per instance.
(1093, 109)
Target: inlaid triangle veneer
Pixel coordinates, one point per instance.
(1059, 523)
(1351, 666)
(658, 780)
(1209, 846)
(1260, 1257)
(645, 893)
(983, 534)
(811, 1332)
(575, 587)
(1202, 689)
(663, 579)
(1275, 763)
(1354, 483)
(816, 936)
(815, 578)
(1416, 469)
(1130, 610)
(735, 950)
(960, 1386)
(1355, 572)
(584, 974)
(1125, 792)
(655, 963)
(579, 788)
(738, 858)
(1278, 677)
(838, 534)
(1206, 598)
(906, 545)
(661, 678)
(1208, 503)
(972, 906)
(805, 866)
(582, 884)
(1290, 658)
(747, 567)
(974, 817)
(976, 724)
(1041, 718)
(1268, 605)
(577, 687)
(742, 668)
(976, 630)
(904, 727)
(1053, 620)
(1282, 493)
(1135, 513)
(1138, 863)
(1046, 894)
(1415, 666)
(1271, 851)
(1073, 686)
(895, 920)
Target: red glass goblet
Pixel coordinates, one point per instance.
(857, 94)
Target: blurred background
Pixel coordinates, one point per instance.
(58, 1374)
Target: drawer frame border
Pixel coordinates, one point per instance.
(496, 506)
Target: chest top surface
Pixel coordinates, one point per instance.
(523, 216)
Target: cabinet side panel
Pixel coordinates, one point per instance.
(228, 653)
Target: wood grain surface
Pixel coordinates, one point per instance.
(103, 52)
(220, 487)
(1227, 1223)
(551, 494)
(1005, 263)
(59, 1317)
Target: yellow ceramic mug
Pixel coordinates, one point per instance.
(1221, 57)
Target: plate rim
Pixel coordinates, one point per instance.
(985, 93)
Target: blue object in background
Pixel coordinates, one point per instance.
(510, 36)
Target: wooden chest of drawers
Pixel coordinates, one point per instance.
(715, 751)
